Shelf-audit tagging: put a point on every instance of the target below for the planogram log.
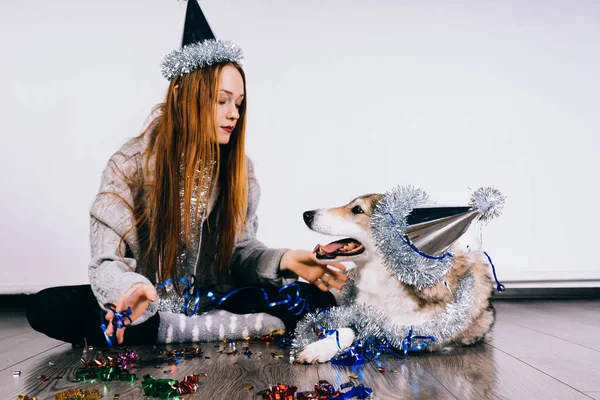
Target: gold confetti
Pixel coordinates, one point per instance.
(353, 377)
(79, 394)
(248, 387)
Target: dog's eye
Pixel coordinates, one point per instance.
(357, 210)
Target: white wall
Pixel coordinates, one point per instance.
(345, 98)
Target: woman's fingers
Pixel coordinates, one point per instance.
(109, 326)
(150, 292)
(331, 282)
(321, 285)
(120, 335)
(338, 275)
(338, 266)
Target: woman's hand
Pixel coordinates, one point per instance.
(306, 265)
(137, 298)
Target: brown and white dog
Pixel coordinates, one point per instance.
(375, 286)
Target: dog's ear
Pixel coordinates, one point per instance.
(375, 199)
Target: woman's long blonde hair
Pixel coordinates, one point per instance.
(182, 144)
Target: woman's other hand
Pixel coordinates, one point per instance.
(137, 298)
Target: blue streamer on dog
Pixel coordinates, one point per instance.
(370, 350)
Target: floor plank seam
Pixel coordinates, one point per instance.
(17, 334)
(567, 319)
(440, 383)
(539, 370)
(30, 357)
(556, 337)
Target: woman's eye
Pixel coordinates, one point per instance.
(357, 210)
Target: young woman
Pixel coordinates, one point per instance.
(179, 202)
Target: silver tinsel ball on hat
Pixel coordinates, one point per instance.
(488, 202)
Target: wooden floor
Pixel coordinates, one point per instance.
(538, 350)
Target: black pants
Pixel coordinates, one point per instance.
(72, 313)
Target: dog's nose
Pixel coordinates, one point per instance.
(308, 217)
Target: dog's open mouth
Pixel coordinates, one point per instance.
(340, 248)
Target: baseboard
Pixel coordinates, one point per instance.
(548, 293)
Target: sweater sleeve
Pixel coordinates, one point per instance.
(252, 262)
(113, 266)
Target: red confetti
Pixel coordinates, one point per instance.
(189, 384)
(279, 392)
(325, 390)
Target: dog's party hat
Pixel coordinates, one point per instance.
(199, 47)
(413, 237)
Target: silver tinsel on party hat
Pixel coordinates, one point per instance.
(413, 237)
(389, 235)
(488, 202)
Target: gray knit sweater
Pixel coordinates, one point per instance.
(111, 217)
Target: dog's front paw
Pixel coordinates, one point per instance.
(325, 349)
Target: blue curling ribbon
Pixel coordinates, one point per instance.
(361, 352)
(407, 342)
(118, 322)
(500, 287)
(189, 290)
(368, 350)
(359, 391)
(293, 300)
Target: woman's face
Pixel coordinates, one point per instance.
(231, 96)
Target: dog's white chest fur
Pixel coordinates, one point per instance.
(378, 288)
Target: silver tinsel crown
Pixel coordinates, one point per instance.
(200, 55)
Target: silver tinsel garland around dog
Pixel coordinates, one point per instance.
(370, 323)
(200, 55)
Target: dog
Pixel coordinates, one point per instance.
(374, 285)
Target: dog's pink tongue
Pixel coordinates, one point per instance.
(332, 247)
